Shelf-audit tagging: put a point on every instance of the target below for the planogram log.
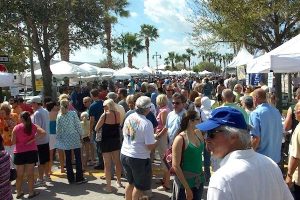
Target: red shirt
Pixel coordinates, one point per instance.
(26, 107)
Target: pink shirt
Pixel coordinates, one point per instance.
(158, 118)
(22, 138)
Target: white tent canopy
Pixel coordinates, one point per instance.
(6, 79)
(121, 76)
(283, 59)
(129, 71)
(106, 71)
(205, 72)
(148, 69)
(63, 69)
(91, 69)
(242, 58)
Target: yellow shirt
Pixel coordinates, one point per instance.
(295, 152)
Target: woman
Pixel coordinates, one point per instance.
(162, 137)
(53, 109)
(68, 138)
(189, 179)
(8, 121)
(5, 186)
(109, 122)
(220, 89)
(293, 172)
(25, 152)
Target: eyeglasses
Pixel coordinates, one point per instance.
(169, 90)
(196, 119)
(85, 102)
(176, 102)
(198, 106)
(212, 133)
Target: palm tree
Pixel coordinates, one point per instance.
(149, 33)
(184, 58)
(167, 61)
(202, 55)
(133, 45)
(111, 10)
(120, 47)
(171, 57)
(190, 53)
(178, 58)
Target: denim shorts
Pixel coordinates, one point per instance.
(138, 172)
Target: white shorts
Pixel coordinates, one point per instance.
(52, 141)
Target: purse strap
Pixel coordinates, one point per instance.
(182, 149)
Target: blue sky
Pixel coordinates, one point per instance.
(168, 16)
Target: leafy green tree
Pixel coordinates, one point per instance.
(148, 33)
(261, 24)
(190, 53)
(167, 61)
(133, 46)
(39, 23)
(112, 9)
(14, 46)
(206, 66)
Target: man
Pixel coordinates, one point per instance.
(138, 142)
(243, 173)
(169, 93)
(95, 111)
(228, 99)
(267, 127)
(41, 118)
(174, 118)
(87, 101)
(122, 94)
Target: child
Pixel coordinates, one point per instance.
(85, 124)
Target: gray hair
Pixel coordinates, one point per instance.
(142, 104)
(244, 135)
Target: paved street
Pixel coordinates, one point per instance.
(59, 188)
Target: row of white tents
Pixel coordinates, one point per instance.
(87, 71)
(283, 59)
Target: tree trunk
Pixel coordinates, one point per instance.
(129, 56)
(173, 65)
(107, 28)
(147, 44)
(123, 54)
(64, 41)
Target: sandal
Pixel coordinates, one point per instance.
(35, 193)
(20, 195)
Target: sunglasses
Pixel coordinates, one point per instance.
(196, 119)
(176, 103)
(212, 133)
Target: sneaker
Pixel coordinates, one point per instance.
(84, 180)
(40, 183)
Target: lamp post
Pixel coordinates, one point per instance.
(156, 56)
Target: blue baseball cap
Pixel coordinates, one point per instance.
(225, 116)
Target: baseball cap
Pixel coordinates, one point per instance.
(226, 116)
(35, 99)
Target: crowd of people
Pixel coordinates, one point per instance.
(210, 124)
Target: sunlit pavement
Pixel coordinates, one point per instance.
(58, 188)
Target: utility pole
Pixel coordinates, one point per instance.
(156, 56)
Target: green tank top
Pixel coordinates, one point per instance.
(192, 162)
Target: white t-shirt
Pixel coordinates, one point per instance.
(247, 175)
(138, 132)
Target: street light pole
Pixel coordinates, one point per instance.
(156, 58)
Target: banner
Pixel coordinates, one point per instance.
(255, 78)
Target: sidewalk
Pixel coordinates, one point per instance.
(59, 188)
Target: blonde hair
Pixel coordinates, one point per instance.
(63, 96)
(64, 104)
(110, 104)
(161, 100)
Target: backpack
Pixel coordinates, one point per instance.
(167, 159)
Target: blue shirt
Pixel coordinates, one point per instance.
(267, 125)
(173, 124)
(96, 110)
(68, 131)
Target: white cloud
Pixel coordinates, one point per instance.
(133, 14)
(179, 46)
(170, 13)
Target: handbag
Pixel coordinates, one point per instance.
(13, 174)
(167, 159)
